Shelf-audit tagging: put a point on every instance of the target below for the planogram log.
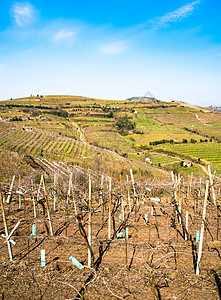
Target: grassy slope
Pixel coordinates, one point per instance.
(88, 119)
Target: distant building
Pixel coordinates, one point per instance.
(27, 128)
(42, 118)
(187, 164)
(147, 160)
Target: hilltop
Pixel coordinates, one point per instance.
(152, 137)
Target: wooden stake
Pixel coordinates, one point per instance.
(176, 181)
(55, 190)
(211, 185)
(109, 211)
(69, 188)
(179, 185)
(191, 181)
(202, 230)
(32, 185)
(128, 194)
(47, 206)
(132, 179)
(10, 190)
(6, 228)
(121, 190)
(188, 188)
(217, 231)
(89, 224)
(121, 199)
(172, 177)
(19, 186)
(75, 206)
(179, 207)
(126, 237)
(199, 192)
(101, 191)
(186, 226)
(39, 188)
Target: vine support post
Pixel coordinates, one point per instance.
(89, 224)
(19, 187)
(132, 179)
(75, 206)
(39, 188)
(202, 230)
(6, 228)
(109, 211)
(101, 191)
(188, 188)
(199, 192)
(191, 181)
(69, 188)
(55, 190)
(128, 194)
(10, 190)
(47, 206)
(211, 185)
(172, 177)
(186, 231)
(32, 186)
(126, 246)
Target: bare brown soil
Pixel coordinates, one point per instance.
(155, 262)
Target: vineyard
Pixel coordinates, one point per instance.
(96, 202)
(80, 234)
(210, 152)
(42, 143)
(84, 131)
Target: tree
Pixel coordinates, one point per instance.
(124, 125)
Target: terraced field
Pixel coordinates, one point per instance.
(108, 137)
(157, 159)
(209, 152)
(39, 143)
(81, 130)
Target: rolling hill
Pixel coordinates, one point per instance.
(152, 137)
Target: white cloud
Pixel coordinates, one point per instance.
(177, 14)
(23, 13)
(113, 48)
(64, 35)
(2, 67)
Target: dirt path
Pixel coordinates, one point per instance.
(82, 139)
(199, 119)
(81, 132)
(180, 159)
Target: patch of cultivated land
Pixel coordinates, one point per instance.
(209, 152)
(156, 260)
(143, 241)
(171, 126)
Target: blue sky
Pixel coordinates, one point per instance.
(112, 49)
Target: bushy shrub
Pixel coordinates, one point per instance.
(15, 119)
(124, 125)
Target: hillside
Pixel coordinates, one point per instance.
(152, 137)
(73, 228)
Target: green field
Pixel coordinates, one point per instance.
(210, 152)
(81, 130)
